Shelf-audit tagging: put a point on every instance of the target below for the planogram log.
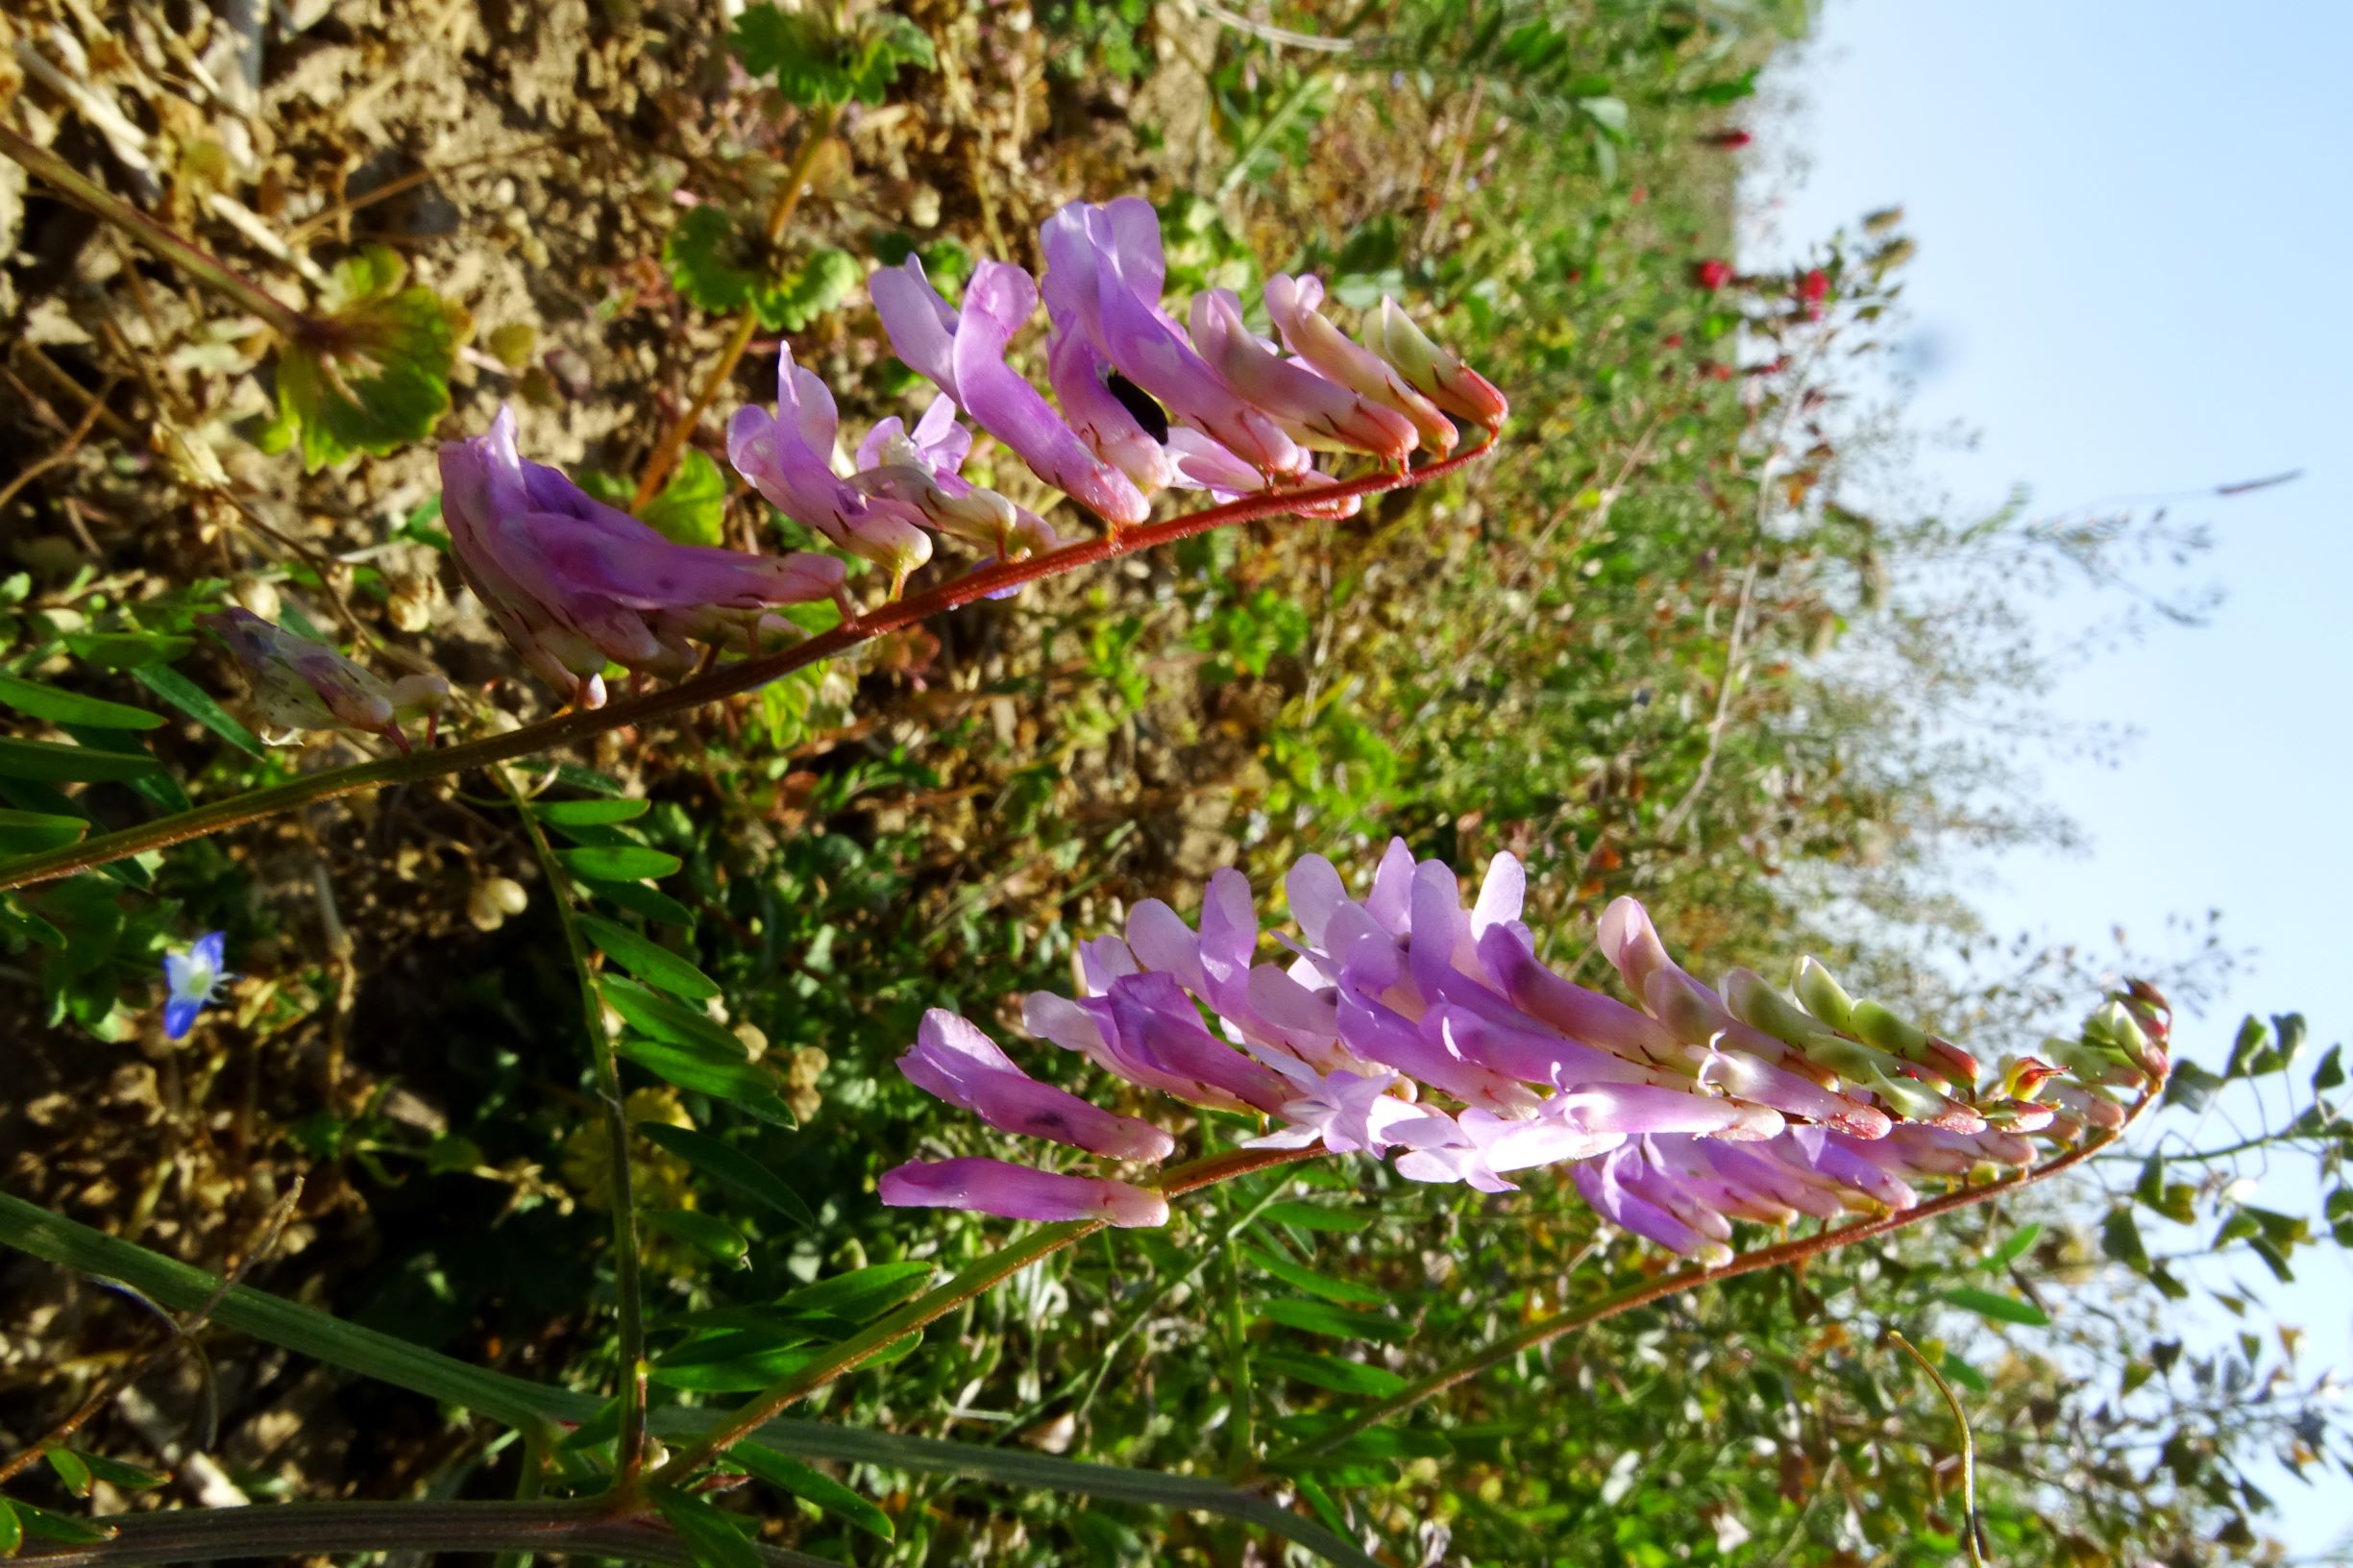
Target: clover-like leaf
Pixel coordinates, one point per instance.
(798, 298)
(693, 506)
(372, 374)
(814, 64)
(723, 266)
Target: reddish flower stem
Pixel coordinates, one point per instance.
(727, 680)
(1546, 1330)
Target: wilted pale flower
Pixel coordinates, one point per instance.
(578, 585)
(1406, 1024)
(193, 979)
(299, 685)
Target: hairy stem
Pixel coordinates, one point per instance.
(973, 1280)
(631, 1448)
(1548, 1328)
(170, 244)
(727, 680)
(673, 440)
(317, 1530)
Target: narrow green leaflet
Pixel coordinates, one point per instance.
(29, 832)
(589, 813)
(667, 1020)
(640, 900)
(44, 1526)
(1345, 1291)
(735, 1081)
(812, 1486)
(12, 1530)
(860, 1294)
(737, 1362)
(710, 1534)
(72, 708)
(1333, 1372)
(2000, 1308)
(733, 1170)
(617, 862)
(70, 1469)
(2014, 1247)
(1338, 1322)
(649, 960)
(193, 700)
(52, 763)
(132, 651)
(712, 1237)
(152, 784)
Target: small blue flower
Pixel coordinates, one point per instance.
(195, 977)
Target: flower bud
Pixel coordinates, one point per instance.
(1430, 370)
(1820, 996)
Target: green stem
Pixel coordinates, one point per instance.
(973, 1280)
(1969, 1445)
(727, 680)
(317, 1530)
(628, 1285)
(537, 1408)
(1548, 1328)
(181, 252)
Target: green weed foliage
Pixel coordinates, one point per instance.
(1650, 648)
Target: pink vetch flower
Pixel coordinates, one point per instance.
(963, 353)
(1295, 306)
(1407, 1026)
(954, 1061)
(1314, 410)
(788, 457)
(1431, 371)
(1104, 276)
(1712, 273)
(995, 1186)
(577, 586)
(920, 468)
(300, 684)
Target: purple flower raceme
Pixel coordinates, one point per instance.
(578, 585)
(1404, 1024)
(1144, 406)
(300, 684)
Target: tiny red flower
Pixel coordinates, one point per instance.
(1712, 273)
(1717, 370)
(1673, 340)
(1814, 288)
(1729, 140)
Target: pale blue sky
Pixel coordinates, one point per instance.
(2134, 219)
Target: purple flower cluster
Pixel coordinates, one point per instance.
(1144, 406)
(1407, 1025)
